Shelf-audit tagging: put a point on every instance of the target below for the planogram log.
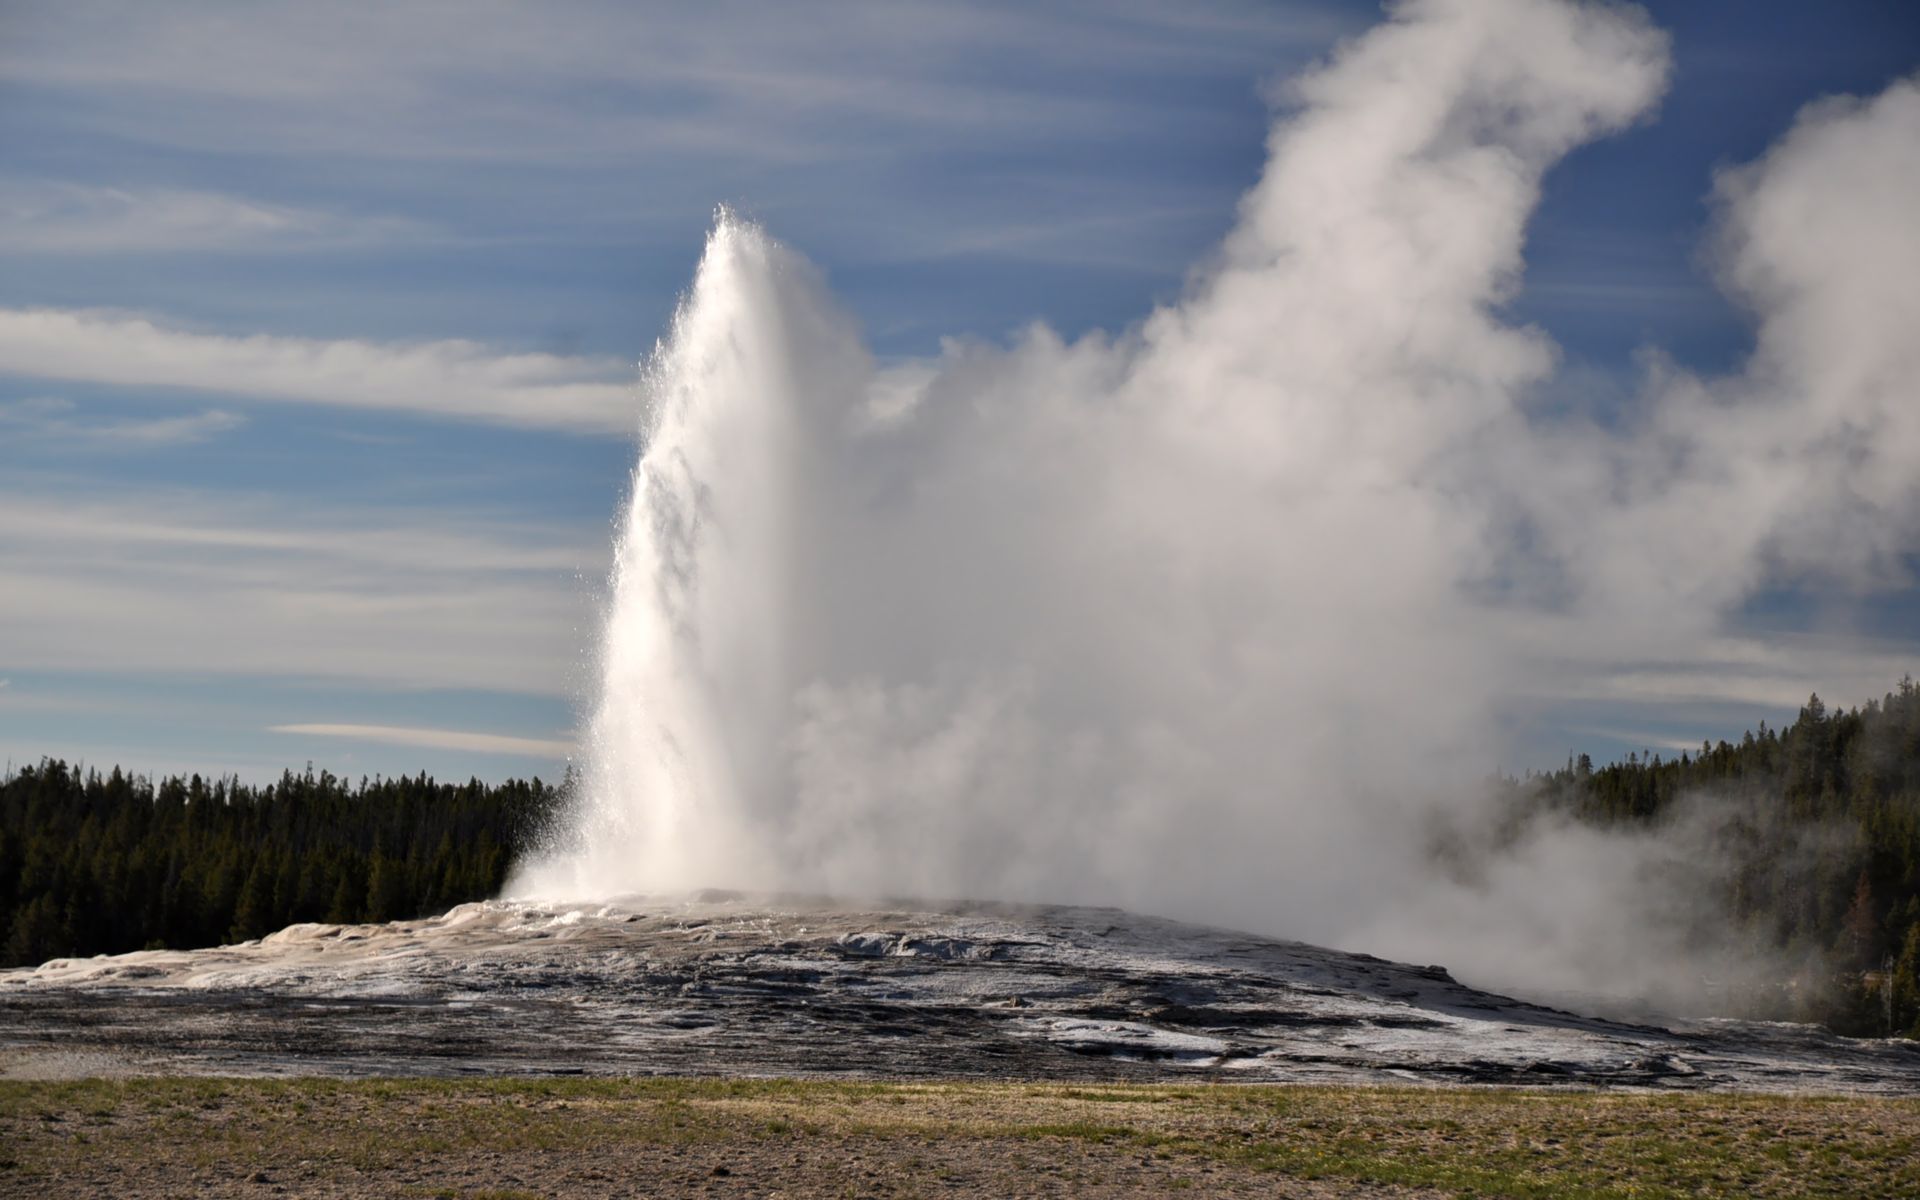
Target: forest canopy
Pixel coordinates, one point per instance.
(1815, 850)
(93, 864)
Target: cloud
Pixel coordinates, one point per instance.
(1666, 298)
(48, 217)
(619, 127)
(1646, 739)
(1771, 671)
(1226, 615)
(1069, 239)
(165, 581)
(50, 417)
(436, 739)
(456, 380)
(498, 83)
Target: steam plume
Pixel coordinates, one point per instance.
(1219, 617)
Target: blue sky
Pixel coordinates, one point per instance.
(318, 322)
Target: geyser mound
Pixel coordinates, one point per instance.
(758, 986)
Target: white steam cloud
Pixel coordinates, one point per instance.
(1220, 618)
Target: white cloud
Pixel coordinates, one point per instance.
(1073, 238)
(53, 417)
(39, 216)
(457, 380)
(1643, 738)
(197, 585)
(436, 739)
(1665, 298)
(621, 124)
(500, 82)
(1774, 672)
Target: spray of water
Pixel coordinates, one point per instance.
(696, 670)
(1222, 618)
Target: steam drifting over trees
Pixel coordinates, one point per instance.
(1801, 845)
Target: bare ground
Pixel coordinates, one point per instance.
(136, 1138)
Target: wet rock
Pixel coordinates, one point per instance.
(727, 984)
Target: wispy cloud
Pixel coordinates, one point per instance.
(53, 417)
(171, 524)
(1745, 672)
(1667, 297)
(873, 131)
(1074, 239)
(1645, 738)
(459, 380)
(435, 739)
(167, 582)
(51, 217)
(499, 82)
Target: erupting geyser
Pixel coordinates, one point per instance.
(696, 677)
(1224, 618)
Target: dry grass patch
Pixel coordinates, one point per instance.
(805, 1138)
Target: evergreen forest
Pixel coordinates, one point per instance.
(1815, 849)
(1801, 846)
(101, 864)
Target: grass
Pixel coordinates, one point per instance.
(1487, 1143)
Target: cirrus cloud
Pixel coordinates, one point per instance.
(435, 739)
(453, 379)
(55, 217)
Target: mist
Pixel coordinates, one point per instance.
(1222, 616)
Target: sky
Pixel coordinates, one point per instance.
(320, 325)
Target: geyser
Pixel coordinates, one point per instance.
(1223, 618)
(685, 746)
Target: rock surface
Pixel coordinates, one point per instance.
(727, 985)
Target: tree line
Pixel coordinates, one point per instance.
(93, 863)
(1815, 841)
(1811, 855)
